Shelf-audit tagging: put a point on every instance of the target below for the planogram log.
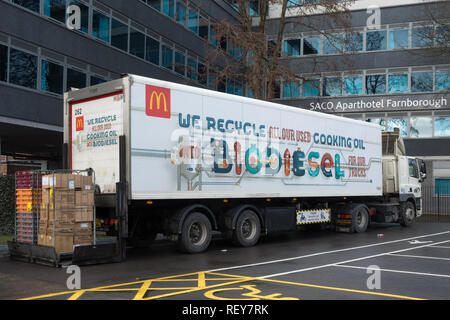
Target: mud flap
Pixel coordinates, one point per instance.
(96, 254)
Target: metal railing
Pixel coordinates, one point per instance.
(435, 204)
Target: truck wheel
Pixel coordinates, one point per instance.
(408, 214)
(248, 229)
(360, 219)
(196, 233)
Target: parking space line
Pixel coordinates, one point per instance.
(396, 271)
(420, 257)
(347, 261)
(324, 252)
(443, 247)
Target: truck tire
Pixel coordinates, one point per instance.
(248, 229)
(360, 218)
(408, 214)
(196, 233)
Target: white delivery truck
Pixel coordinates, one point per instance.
(187, 162)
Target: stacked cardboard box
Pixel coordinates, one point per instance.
(67, 211)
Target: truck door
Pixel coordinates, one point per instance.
(414, 184)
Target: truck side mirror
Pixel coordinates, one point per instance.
(423, 168)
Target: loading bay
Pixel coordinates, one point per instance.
(386, 262)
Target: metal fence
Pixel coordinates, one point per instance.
(435, 203)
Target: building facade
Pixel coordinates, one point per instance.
(43, 54)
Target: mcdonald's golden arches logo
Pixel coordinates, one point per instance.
(79, 123)
(157, 102)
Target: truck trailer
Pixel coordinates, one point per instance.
(189, 162)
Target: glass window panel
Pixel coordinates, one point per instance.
(376, 40)
(443, 36)
(180, 61)
(22, 69)
(212, 79)
(292, 47)
(137, 43)
(442, 80)
(167, 57)
(294, 3)
(291, 89)
(376, 84)
(422, 37)
(442, 127)
(155, 4)
(193, 20)
(402, 124)
(152, 50)
(119, 35)
(254, 8)
(421, 127)
(422, 81)
(353, 85)
(202, 74)
(380, 121)
(84, 15)
(311, 88)
(55, 9)
(100, 26)
(398, 83)
(333, 44)
(203, 27)
(238, 88)
(96, 80)
(52, 76)
(169, 8)
(181, 12)
(311, 45)
(332, 87)
(442, 186)
(191, 71)
(75, 79)
(354, 42)
(3, 62)
(398, 39)
(32, 5)
(212, 35)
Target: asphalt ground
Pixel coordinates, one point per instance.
(387, 262)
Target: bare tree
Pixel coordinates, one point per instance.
(252, 48)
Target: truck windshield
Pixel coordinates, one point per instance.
(413, 168)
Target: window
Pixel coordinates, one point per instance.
(55, 9)
(376, 84)
(311, 88)
(421, 127)
(380, 121)
(353, 85)
(3, 62)
(291, 89)
(354, 42)
(398, 39)
(294, 3)
(169, 8)
(402, 124)
(442, 127)
(137, 43)
(181, 12)
(311, 45)
(32, 5)
(422, 81)
(22, 68)
(155, 4)
(119, 35)
(167, 57)
(84, 15)
(52, 76)
(413, 168)
(442, 80)
(442, 35)
(203, 27)
(75, 79)
(422, 36)
(333, 44)
(332, 87)
(292, 47)
(212, 79)
(202, 74)
(96, 80)
(254, 8)
(376, 40)
(191, 71)
(212, 34)
(193, 20)
(180, 62)
(398, 83)
(152, 50)
(100, 26)
(442, 186)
